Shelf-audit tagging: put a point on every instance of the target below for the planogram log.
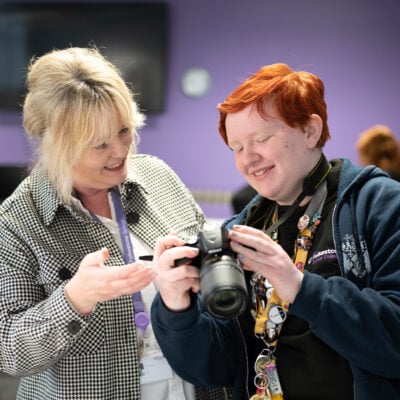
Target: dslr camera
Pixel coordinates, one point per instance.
(222, 281)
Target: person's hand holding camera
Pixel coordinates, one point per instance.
(218, 274)
(175, 283)
(259, 253)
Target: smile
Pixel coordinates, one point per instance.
(258, 173)
(115, 166)
(261, 172)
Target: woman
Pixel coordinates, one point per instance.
(74, 294)
(320, 247)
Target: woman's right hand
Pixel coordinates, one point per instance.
(175, 283)
(94, 282)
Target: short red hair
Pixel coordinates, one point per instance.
(296, 95)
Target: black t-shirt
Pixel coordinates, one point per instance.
(308, 369)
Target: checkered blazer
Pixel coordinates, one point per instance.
(58, 353)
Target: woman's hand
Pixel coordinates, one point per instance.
(95, 282)
(259, 253)
(175, 283)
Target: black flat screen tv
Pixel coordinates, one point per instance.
(132, 35)
(10, 177)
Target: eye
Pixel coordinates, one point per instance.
(236, 149)
(101, 146)
(124, 131)
(262, 139)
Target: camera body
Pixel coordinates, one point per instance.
(222, 281)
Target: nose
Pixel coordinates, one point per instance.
(120, 147)
(251, 157)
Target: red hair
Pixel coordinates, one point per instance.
(296, 95)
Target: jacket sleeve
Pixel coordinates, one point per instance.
(35, 329)
(359, 315)
(202, 350)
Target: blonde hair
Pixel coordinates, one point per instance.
(76, 99)
(378, 146)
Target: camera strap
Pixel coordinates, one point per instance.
(270, 310)
(266, 297)
(310, 184)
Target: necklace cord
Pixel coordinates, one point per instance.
(311, 183)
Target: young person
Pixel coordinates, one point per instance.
(320, 249)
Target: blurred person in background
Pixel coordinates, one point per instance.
(379, 146)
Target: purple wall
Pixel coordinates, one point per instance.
(351, 45)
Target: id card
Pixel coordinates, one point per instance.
(154, 368)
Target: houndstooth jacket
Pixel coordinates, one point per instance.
(58, 353)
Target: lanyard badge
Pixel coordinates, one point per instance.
(270, 310)
(142, 319)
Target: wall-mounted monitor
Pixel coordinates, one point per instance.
(132, 35)
(10, 177)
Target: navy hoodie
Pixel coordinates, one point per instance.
(357, 314)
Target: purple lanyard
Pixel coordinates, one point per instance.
(141, 317)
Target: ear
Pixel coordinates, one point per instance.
(313, 130)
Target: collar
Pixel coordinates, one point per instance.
(311, 184)
(48, 204)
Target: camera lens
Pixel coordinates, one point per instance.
(223, 287)
(225, 298)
